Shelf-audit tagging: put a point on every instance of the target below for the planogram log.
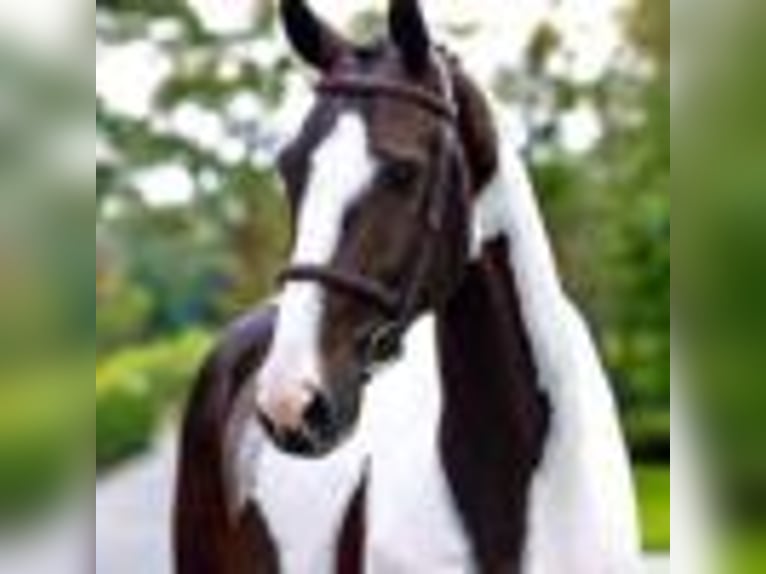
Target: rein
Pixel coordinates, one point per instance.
(384, 343)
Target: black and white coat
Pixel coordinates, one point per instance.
(577, 513)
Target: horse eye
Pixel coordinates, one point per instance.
(400, 174)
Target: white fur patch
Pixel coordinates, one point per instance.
(341, 168)
(413, 526)
(583, 518)
(305, 503)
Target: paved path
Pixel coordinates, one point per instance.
(60, 544)
(133, 516)
(658, 565)
(133, 510)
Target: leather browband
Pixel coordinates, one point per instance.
(365, 87)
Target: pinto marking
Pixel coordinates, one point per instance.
(583, 517)
(341, 169)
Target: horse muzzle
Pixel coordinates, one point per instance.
(311, 423)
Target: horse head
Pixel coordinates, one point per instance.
(379, 181)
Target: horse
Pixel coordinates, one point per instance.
(422, 396)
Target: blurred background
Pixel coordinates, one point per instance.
(194, 97)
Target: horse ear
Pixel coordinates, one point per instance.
(314, 40)
(410, 33)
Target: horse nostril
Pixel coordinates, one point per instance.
(284, 407)
(319, 416)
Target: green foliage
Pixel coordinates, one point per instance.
(43, 417)
(648, 433)
(722, 279)
(123, 315)
(136, 387)
(147, 7)
(202, 85)
(649, 26)
(258, 241)
(631, 253)
(44, 421)
(654, 497)
(203, 261)
(179, 265)
(42, 424)
(126, 416)
(745, 551)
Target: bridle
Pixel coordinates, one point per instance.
(384, 342)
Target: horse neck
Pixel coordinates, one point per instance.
(490, 373)
(507, 209)
(492, 339)
(510, 307)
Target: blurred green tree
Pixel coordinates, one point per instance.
(203, 245)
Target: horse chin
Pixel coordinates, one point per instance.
(301, 446)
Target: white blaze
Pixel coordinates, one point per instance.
(341, 168)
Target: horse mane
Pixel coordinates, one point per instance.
(207, 539)
(476, 125)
